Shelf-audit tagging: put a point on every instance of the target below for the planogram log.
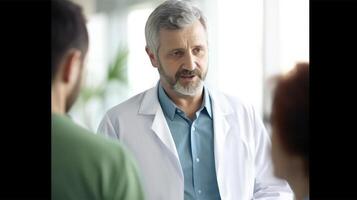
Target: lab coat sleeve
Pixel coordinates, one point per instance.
(266, 186)
(107, 129)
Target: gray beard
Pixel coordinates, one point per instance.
(190, 90)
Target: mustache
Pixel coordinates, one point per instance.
(186, 72)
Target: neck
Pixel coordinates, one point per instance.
(300, 185)
(57, 100)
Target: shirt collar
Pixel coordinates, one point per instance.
(207, 102)
(169, 107)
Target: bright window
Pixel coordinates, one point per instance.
(141, 74)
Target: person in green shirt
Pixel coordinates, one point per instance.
(84, 166)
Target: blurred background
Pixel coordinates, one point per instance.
(249, 42)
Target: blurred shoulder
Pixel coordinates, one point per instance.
(81, 141)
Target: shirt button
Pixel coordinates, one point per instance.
(197, 160)
(199, 191)
(193, 128)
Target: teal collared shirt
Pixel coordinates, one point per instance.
(194, 144)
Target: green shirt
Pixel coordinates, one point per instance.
(85, 166)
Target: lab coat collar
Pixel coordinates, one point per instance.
(220, 103)
(150, 102)
(220, 106)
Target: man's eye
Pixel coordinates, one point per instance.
(177, 53)
(197, 51)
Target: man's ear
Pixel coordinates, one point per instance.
(153, 58)
(72, 65)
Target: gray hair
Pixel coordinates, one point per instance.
(171, 15)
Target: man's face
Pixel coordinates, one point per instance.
(183, 58)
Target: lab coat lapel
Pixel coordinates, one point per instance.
(221, 129)
(221, 114)
(150, 106)
(161, 129)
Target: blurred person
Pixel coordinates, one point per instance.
(190, 141)
(83, 165)
(290, 131)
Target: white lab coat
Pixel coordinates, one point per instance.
(241, 147)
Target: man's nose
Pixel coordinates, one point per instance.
(189, 62)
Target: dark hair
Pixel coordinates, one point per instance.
(290, 111)
(68, 30)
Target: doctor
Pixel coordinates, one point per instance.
(190, 141)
